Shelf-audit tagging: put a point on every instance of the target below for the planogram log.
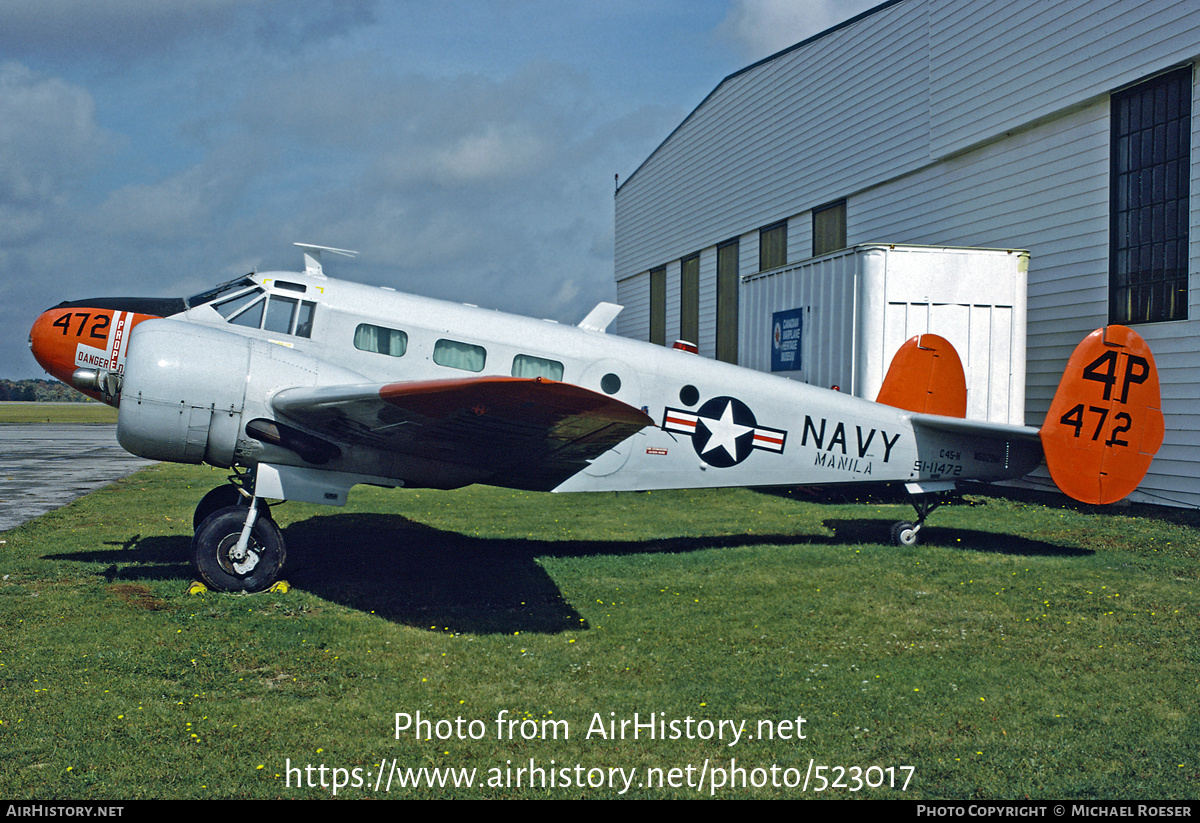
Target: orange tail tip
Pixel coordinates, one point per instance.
(1106, 423)
(926, 376)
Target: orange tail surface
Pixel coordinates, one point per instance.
(926, 376)
(1106, 423)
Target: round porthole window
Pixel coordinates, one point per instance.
(610, 383)
(688, 395)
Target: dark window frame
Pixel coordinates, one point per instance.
(729, 283)
(658, 306)
(772, 246)
(1149, 209)
(689, 299)
(829, 228)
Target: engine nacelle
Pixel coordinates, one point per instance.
(193, 393)
(183, 392)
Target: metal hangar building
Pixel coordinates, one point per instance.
(1061, 127)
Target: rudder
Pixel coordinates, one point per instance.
(1105, 423)
(926, 376)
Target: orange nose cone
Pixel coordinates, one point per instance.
(54, 344)
(75, 336)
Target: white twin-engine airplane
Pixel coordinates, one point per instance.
(306, 386)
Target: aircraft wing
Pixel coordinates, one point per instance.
(510, 431)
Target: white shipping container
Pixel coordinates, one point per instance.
(837, 320)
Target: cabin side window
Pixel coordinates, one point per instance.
(456, 355)
(526, 365)
(380, 340)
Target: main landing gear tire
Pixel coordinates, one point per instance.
(905, 534)
(214, 547)
(219, 498)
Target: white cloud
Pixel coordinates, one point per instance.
(759, 28)
(495, 152)
(48, 139)
(163, 212)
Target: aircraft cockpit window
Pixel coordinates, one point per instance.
(456, 355)
(304, 320)
(243, 310)
(377, 339)
(525, 365)
(220, 291)
(283, 315)
(280, 313)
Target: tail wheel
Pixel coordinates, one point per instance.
(905, 534)
(215, 553)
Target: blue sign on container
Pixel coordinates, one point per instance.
(785, 340)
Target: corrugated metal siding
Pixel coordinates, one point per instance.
(826, 287)
(1053, 55)
(634, 320)
(1045, 190)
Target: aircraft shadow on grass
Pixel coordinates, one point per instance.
(417, 575)
(868, 531)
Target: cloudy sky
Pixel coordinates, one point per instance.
(467, 148)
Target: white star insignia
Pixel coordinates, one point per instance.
(723, 433)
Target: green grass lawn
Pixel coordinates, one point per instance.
(1024, 650)
(14, 413)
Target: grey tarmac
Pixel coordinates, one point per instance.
(43, 467)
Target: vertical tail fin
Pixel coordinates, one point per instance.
(1105, 423)
(926, 376)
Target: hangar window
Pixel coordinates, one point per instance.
(772, 246)
(525, 365)
(689, 299)
(377, 339)
(1149, 215)
(658, 306)
(728, 282)
(829, 228)
(456, 355)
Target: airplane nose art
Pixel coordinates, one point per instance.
(84, 347)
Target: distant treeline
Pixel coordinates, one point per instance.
(41, 391)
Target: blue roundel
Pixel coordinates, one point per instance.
(724, 432)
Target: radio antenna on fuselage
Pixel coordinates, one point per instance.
(312, 257)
